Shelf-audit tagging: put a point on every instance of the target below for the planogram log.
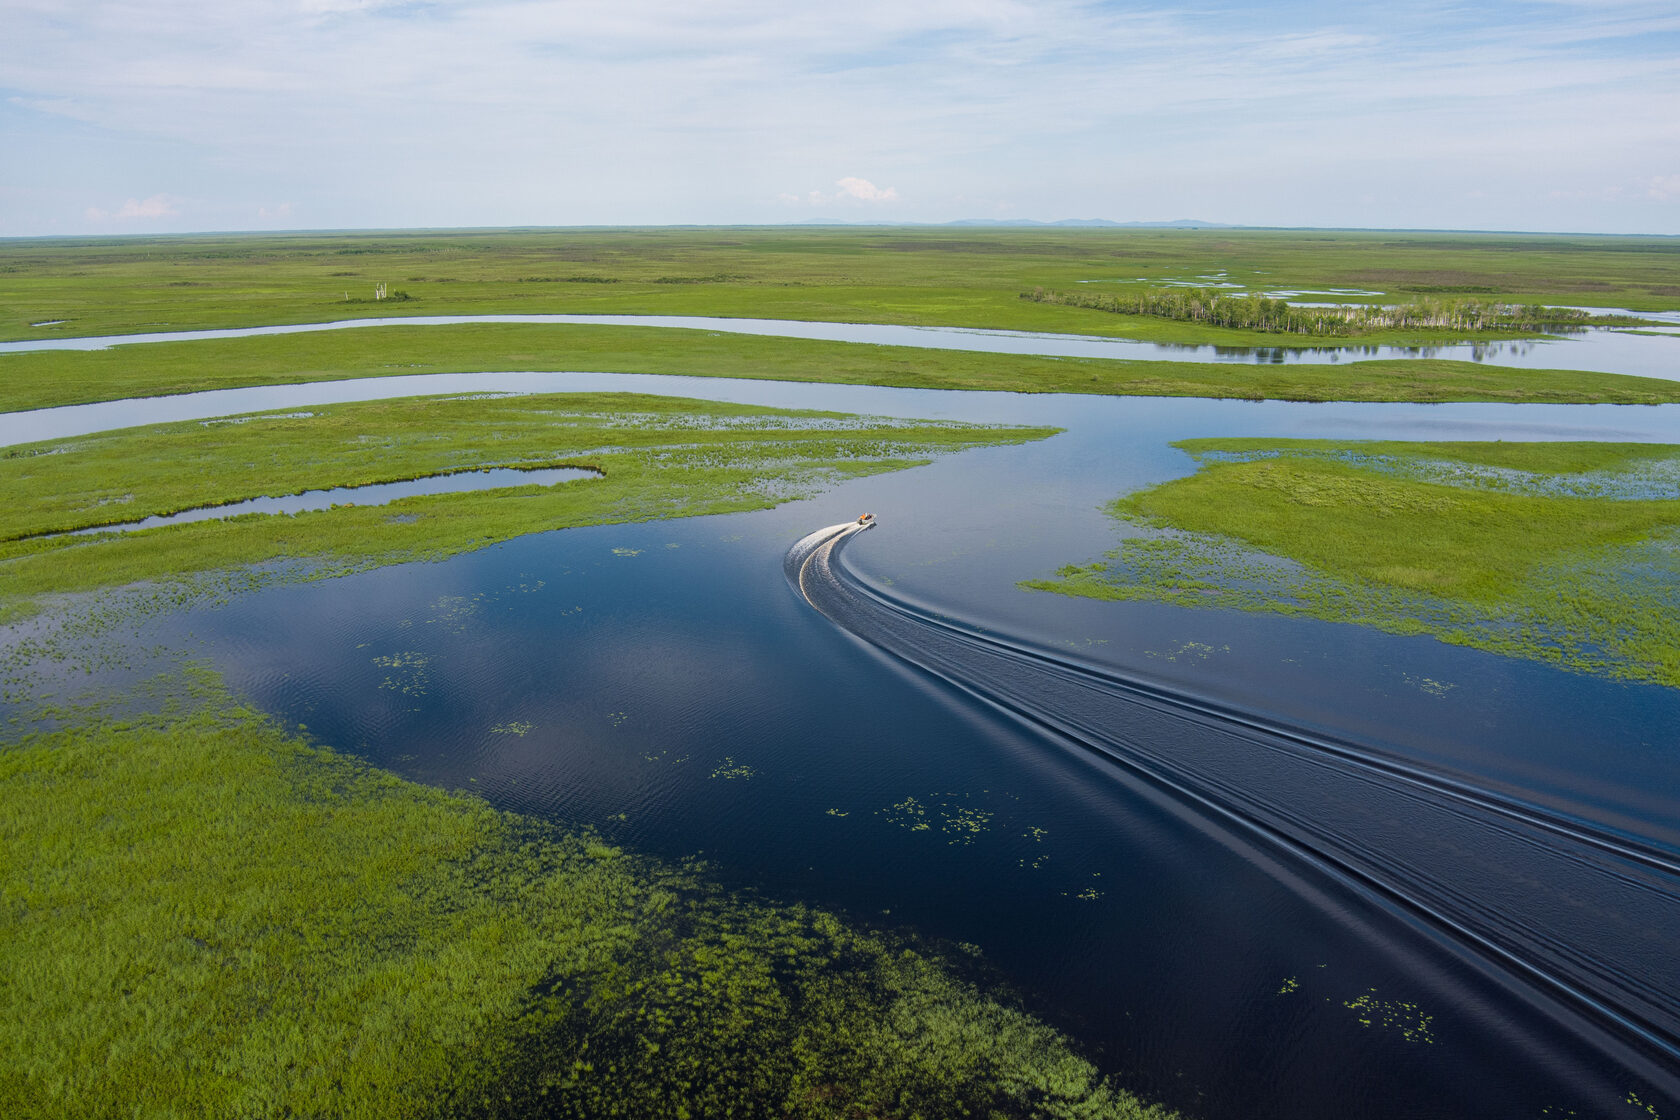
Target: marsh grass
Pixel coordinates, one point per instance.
(660, 457)
(205, 917)
(953, 277)
(1418, 539)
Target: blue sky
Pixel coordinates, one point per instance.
(131, 116)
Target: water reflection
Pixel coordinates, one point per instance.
(372, 494)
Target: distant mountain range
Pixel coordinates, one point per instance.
(1089, 223)
(1180, 223)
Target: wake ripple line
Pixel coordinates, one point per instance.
(1534, 866)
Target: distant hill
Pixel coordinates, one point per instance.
(1065, 223)
(1181, 223)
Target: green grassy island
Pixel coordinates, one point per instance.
(1567, 553)
(659, 457)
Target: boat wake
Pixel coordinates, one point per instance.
(1582, 920)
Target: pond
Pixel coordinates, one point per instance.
(1246, 860)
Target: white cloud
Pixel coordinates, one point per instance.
(1663, 187)
(145, 209)
(863, 189)
(852, 191)
(274, 213)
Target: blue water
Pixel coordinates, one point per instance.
(372, 494)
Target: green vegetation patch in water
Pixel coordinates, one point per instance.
(205, 917)
(1564, 553)
(659, 456)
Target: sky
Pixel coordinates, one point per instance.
(149, 116)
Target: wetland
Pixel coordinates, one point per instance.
(561, 800)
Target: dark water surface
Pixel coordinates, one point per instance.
(1239, 929)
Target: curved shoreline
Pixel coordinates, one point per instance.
(307, 501)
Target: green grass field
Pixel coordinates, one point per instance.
(1564, 553)
(904, 275)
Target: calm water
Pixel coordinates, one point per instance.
(1647, 355)
(1130, 867)
(372, 494)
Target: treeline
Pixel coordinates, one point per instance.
(1276, 316)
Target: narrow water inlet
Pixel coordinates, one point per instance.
(374, 494)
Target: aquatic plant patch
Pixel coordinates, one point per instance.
(1564, 553)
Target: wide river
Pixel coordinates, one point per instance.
(1258, 866)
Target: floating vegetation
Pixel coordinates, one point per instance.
(953, 818)
(456, 612)
(1392, 1014)
(837, 813)
(1648, 1109)
(1290, 984)
(730, 770)
(627, 552)
(1199, 651)
(520, 728)
(407, 674)
(1413, 539)
(907, 814)
(1428, 684)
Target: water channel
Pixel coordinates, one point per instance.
(1651, 353)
